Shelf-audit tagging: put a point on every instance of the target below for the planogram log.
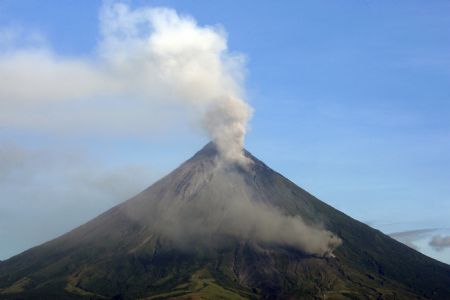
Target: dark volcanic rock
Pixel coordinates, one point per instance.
(174, 240)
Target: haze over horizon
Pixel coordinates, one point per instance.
(351, 102)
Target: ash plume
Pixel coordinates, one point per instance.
(214, 202)
(147, 60)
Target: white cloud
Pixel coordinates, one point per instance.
(152, 70)
(149, 63)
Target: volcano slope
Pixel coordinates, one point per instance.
(178, 240)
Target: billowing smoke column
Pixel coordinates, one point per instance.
(146, 59)
(191, 62)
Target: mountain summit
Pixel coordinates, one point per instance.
(213, 229)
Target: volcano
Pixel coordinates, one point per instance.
(216, 230)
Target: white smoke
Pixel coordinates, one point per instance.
(146, 58)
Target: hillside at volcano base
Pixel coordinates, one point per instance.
(180, 239)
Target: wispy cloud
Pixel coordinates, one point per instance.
(409, 237)
(14, 37)
(49, 190)
(439, 242)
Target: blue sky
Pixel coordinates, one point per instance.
(351, 100)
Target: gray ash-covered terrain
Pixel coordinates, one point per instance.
(215, 230)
